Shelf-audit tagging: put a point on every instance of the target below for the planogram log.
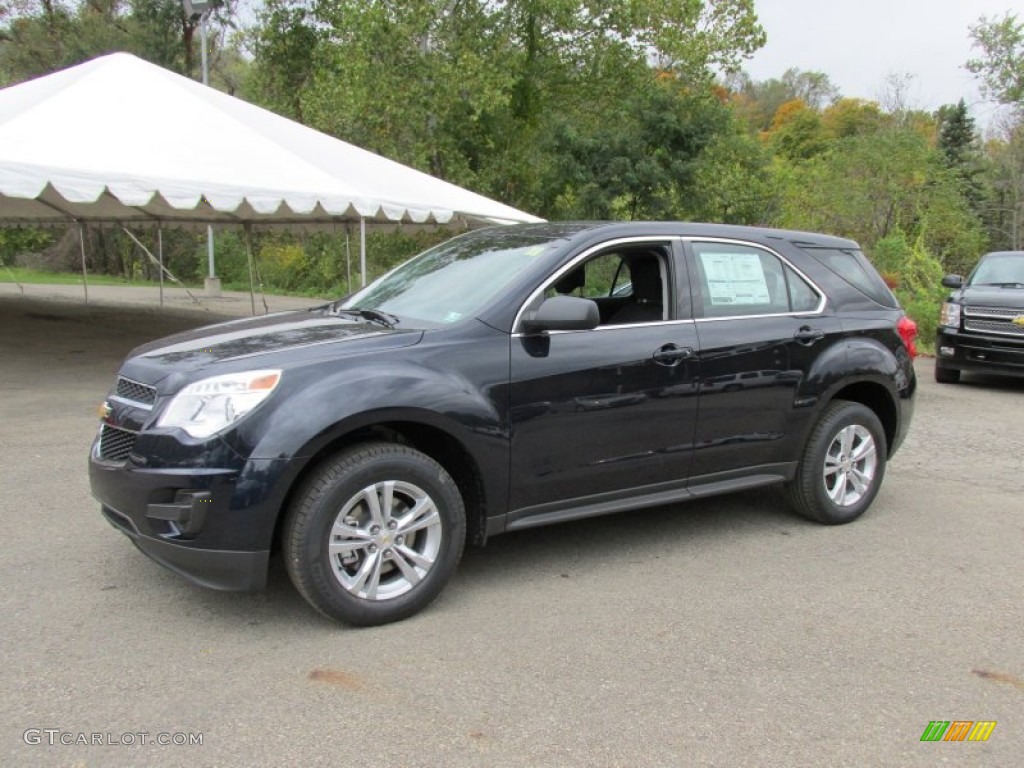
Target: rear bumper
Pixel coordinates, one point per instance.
(979, 353)
(906, 415)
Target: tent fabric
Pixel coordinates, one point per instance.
(123, 141)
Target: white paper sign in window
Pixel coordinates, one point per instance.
(735, 278)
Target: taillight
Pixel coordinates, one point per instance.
(908, 332)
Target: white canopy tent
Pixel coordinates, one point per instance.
(120, 141)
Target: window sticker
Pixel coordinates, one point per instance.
(735, 278)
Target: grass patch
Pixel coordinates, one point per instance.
(39, 277)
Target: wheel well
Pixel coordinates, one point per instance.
(878, 399)
(435, 443)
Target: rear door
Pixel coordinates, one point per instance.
(761, 325)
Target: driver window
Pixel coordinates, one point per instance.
(628, 286)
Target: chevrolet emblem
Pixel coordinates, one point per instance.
(1018, 320)
(104, 411)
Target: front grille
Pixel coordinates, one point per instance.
(994, 326)
(134, 391)
(115, 444)
(993, 313)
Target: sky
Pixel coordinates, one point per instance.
(858, 43)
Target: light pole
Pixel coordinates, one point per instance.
(201, 9)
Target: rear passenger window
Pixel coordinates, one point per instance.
(737, 280)
(854, 267)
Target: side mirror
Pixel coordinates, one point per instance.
(563, 313)
(953, 281)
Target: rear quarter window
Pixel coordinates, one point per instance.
(853, 267)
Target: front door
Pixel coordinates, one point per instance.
(608, 413)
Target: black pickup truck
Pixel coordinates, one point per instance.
(508, 378)
(981, 327)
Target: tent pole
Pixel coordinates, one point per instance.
(160, 251)
(163, 270)
(85, 273)
(348, 265)
(362, 251)
(252, 284)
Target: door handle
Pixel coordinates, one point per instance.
(807, 335)
(672, 354)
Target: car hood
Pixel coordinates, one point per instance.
(267, 341)
(991, 296)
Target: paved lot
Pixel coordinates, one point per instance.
(725, 633)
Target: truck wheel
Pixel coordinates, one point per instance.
(947, 375)
(374, 534)
(842, 465)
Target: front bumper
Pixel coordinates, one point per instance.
(979, 353)
(213, 527)
(213, 568)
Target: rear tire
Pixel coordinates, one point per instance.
(374, 534)
(947, 375)
(842, 465)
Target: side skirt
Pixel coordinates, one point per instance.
(641, 498)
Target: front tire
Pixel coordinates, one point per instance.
(374, 534)
(842, 465)
(947, 375)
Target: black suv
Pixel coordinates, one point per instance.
(981, 327)
(507, 378)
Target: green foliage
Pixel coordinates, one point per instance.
(796, 132)
(917, 276)
(493, 95)
(852, 117)
(1004, 197)
(16, 241)
(758, 101)
(1001, 64)
(733, 183)
(643, 165)
(870, 187)
(40, 36)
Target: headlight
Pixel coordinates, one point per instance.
(950, 315)
(208, 406)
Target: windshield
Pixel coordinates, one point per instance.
(1000, 269)
(453, 280)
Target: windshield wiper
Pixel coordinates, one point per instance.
(1005, 285)
(374, 315)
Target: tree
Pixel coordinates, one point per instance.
(650, 163)
(41, 36)
(871, 187)
(1001, 70)
(852, 117)
(758, 101)
(796, 131)
(477, 91)
(1004, 212)
(1001, 64)
(958, 142)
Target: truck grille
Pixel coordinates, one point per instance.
(134, 391)
(115, 444)
(993, 320)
